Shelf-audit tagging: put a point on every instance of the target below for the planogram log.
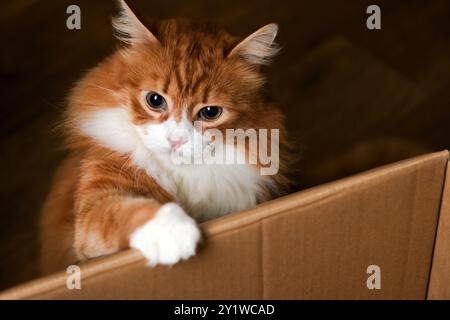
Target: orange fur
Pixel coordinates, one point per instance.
(99, 197)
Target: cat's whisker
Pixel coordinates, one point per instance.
(100, 87)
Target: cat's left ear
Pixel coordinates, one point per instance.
(129, 28)
(259, 47)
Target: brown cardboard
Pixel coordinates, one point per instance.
(315, 244)
(440, 272)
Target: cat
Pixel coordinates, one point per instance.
(118, 187)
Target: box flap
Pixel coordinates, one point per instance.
(315, 244)
(440, 273)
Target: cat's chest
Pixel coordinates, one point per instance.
(209, 192)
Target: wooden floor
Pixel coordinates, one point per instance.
(354, 98)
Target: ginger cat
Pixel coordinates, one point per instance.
(119, 187)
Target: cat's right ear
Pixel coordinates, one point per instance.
(129, 29)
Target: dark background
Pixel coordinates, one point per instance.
(354, 98)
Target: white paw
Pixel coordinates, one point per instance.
(170, 236)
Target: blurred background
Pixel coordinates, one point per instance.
(354, 98)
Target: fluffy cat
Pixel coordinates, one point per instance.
(118, 188)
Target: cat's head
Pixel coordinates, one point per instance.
(168, 76)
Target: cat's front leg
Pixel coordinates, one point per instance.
(163, 233)
(170, 236)
(117, 207)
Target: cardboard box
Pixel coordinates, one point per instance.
(314, 244)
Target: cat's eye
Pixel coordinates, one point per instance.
(155, 100)
(209, 113)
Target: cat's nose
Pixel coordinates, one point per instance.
(176, 143)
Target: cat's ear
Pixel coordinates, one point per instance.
(259, 47)
(128, 27)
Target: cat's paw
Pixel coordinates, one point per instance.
(169, 237)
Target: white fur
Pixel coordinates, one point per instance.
(259, 47)
(128, 27)
(206, 191)
(111, 127)
(169, 237)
